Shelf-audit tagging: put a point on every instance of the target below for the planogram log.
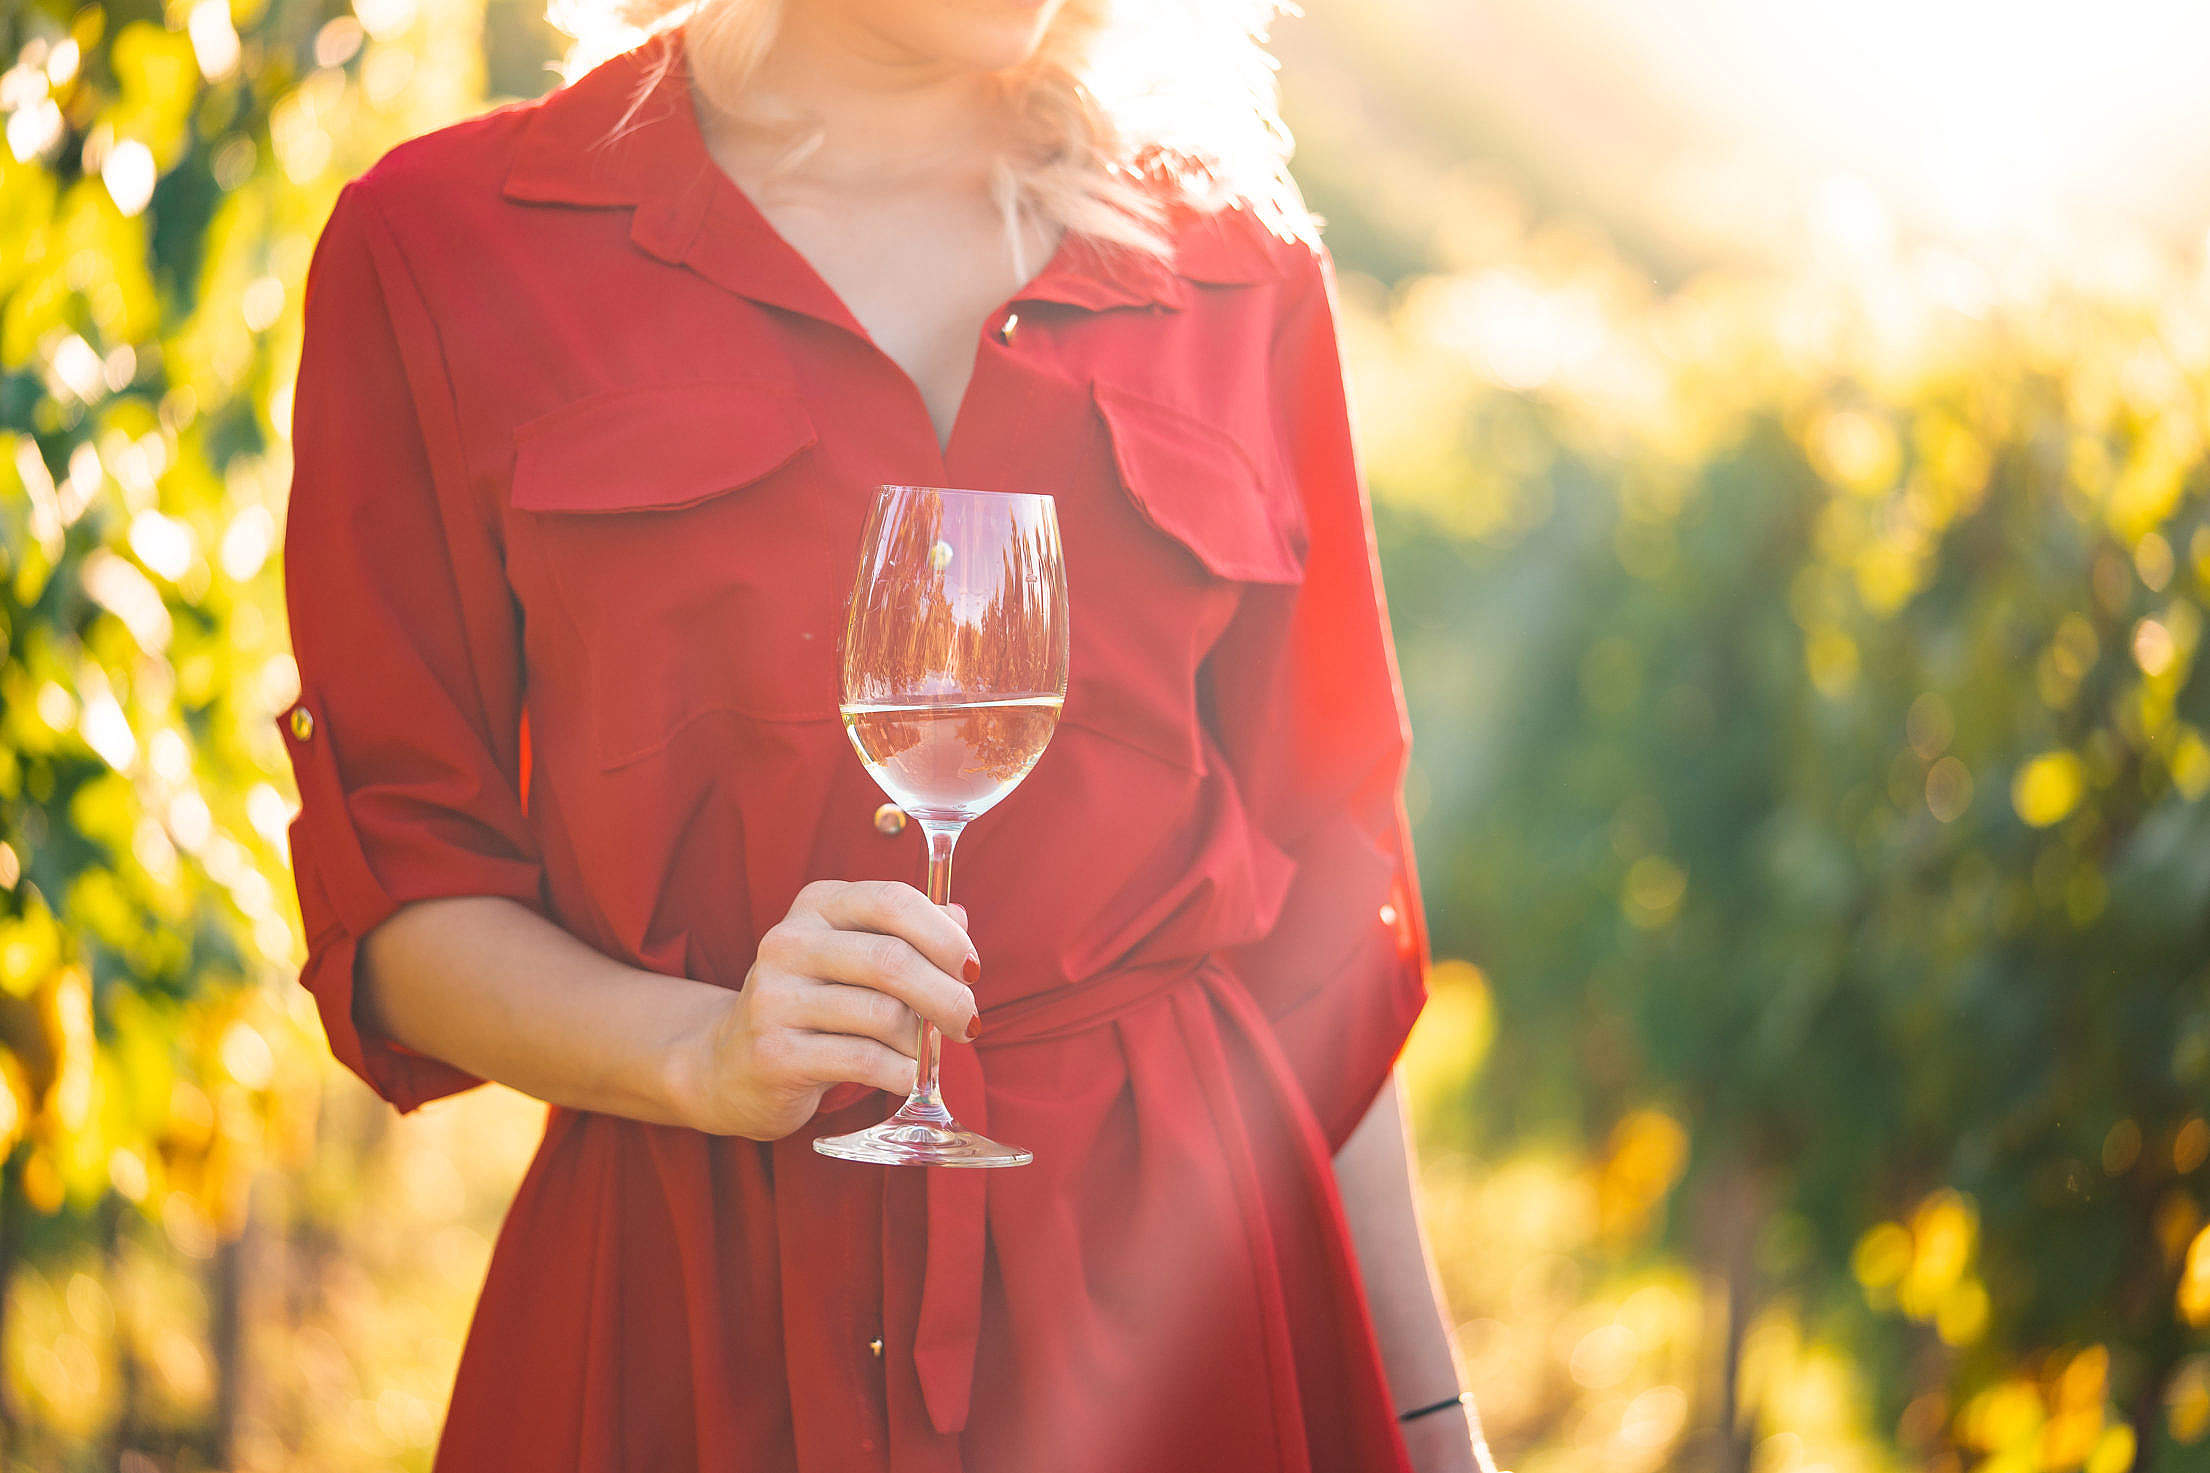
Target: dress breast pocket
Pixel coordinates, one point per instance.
(1202, 520)
(679, 530)
(1202, 487)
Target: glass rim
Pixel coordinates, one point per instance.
(1043, 496)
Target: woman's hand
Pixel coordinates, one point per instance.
(836, 993)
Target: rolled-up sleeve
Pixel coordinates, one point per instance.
(406, 740)
(1310, 709)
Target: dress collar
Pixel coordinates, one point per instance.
(627, 136)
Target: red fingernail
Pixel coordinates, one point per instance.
(974, 1027)
(971, 969)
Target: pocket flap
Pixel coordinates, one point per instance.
(668, 446)
(1197, 485)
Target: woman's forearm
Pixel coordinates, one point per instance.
(492, 987)
(836, 994)
(1373, 1172)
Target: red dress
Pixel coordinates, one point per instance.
(583, 451)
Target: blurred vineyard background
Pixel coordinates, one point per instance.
(1788, 438)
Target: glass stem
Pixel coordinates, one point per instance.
(926, 1103)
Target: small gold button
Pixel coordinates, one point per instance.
(1006, 328)
(874, 1347)
(303, 722)
(890, 820)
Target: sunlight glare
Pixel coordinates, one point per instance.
(1974, 116)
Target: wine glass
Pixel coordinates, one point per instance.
(955, 665)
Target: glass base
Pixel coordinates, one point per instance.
(903, 1140)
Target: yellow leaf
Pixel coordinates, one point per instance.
(1654, 891)
(2194, 1282)
(1882, 1255)
(1649, 1148)
(2048, 788)
(2114, 1451)
(1450, 1039)
(160, 80)
(1961, 1317)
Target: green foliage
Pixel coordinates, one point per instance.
(1811, 745)
(165, 173)
(129, 893)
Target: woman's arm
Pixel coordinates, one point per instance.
(1373, 1171)
(492, 987)
(431, 949)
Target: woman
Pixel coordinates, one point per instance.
(594, 394)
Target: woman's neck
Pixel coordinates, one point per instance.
(886, 117)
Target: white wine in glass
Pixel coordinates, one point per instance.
(954, 659)
(954, 759)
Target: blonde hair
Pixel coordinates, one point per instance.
(1127, 110)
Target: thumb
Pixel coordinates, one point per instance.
(958, 913)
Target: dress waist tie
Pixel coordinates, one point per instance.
(951, 1291)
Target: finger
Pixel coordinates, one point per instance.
(887, 964)
(860, 1012)
(837, 1058)
(900, 910)
(959, 914)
